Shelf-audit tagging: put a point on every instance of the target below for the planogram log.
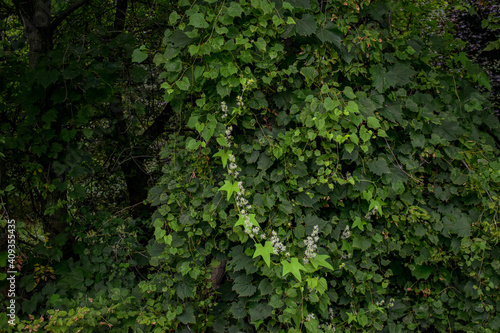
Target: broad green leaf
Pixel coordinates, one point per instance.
(378, 166)
(320, 260)
(224, 155)
(359, 223)
(139, 56)
(243, 286)
(198, 21)
(230, 188)
(349, 93)
(306, 26)
(309, 73)
(183, 84)
(373, 122)
(261, 44)
(264, 251)
(241, 221)
(422, 271)
(293, 267)
(187, 317)
(330, 34)
(234, 9)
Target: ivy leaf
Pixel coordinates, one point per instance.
(293, 267)
(373, 122)
(241, 221)
(183, 84)
(234, 9)
(243, 286)
(230, 188)
(187, 317)
(359, 223)
(322, 286)
(198, 21)
(378, 166)
(349, 93)
(320, 260)
(306, 26)
(330, 34)
(261, 44)
(309, 72)
(399, 75)
(224, 155)
(139, 56)
(264, 251)
(422, 271)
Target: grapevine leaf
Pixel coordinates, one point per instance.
(224, 155)
(293, 267)
(265, 252)
(320, 260)
(241, 220)
(230, 188)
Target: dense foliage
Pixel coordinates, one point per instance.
(329, 166)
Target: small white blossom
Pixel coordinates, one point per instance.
(311, 246)
(310, 316)
(239, 101)
(346, 233)
(276, 244)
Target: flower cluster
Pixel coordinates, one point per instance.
(228, 136)
(232, 167)
(225, 109)
(310, 316)
(311, 246)
(240, 101)
(346, 233)
(278, 246)
(241, 202)
(372, 212)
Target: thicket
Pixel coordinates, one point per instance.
(335, 168)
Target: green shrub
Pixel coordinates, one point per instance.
(371, 171)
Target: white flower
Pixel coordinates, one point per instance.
(276, 244)
(311, 246)
(346, 233)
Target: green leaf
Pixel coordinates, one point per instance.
(359, 223)
(361, 242)
(241, 221)
(139, 56)
(349, 93)
(422, 271)
(234, 9)
(265, 252)
(320, 260)
(305, 26)
(330, 34)
(192, 144)
(230, 188)
(224, 155)
(329, 104)
(261, 44)
(309, 73)
(187, 317)
(243, 286)
(183, 84)
(322, 286)
(378, 166)
(293, 267)
(373, 122)
(198, 21)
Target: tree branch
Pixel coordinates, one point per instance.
(67, 12)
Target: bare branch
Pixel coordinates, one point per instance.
(67, 12)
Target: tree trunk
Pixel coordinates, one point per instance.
(36, 16)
